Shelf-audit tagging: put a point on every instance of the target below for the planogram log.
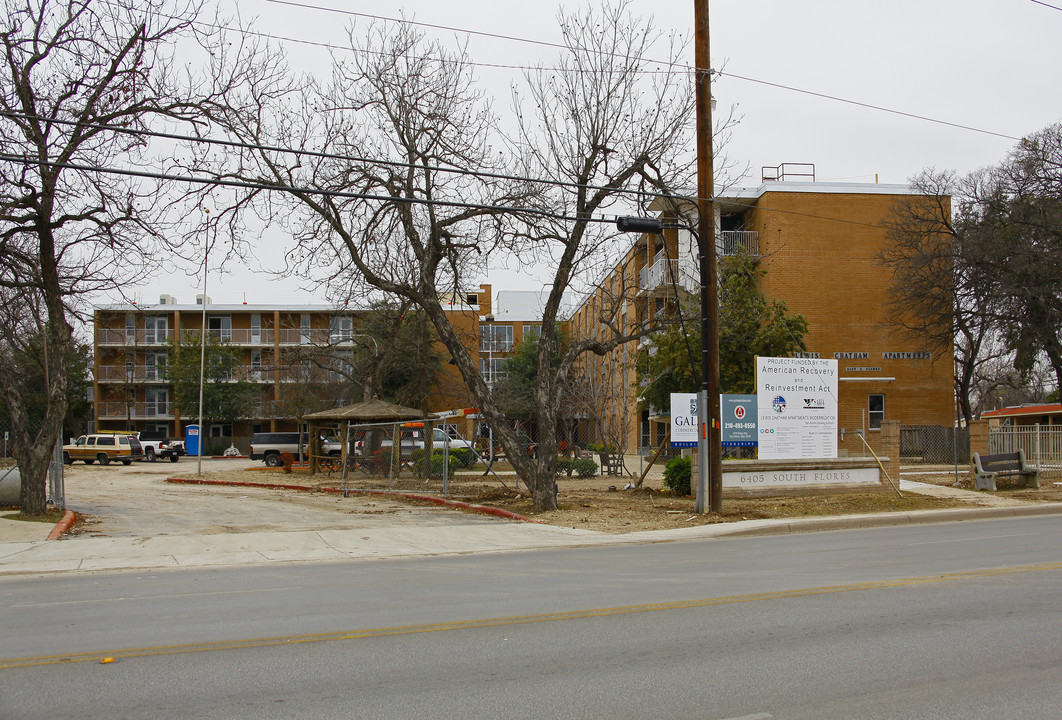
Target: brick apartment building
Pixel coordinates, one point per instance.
(132, 342)
(819, 243)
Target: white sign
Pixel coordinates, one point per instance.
(684, 420)
(751, 480)
(796, 408)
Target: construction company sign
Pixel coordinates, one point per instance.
(684, 421)
(796, 408)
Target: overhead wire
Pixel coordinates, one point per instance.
(292, 189)
(137, 132)
(689, 68)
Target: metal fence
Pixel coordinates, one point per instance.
(934, 445)
(1042, 444)
(56, 490)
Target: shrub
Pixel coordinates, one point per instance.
(677, 474)
(584, 467)
(564, 466)
(286, 460)
(462, 457)
(459, 458)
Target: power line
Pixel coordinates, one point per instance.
(1053, 7)
(866, 105)
(687, 68)
(329, 156)
(137, 132)
(292, 189)
(496, 36)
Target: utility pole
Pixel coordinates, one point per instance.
(709, 447)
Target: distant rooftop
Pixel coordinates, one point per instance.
(523, 305)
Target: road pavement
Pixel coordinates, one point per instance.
(139, 521)
(950, 621)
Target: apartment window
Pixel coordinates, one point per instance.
(492, 369)
(532, 332)
(157, 401)
(220, 327)
(496, 338)
(341, 329)
(256, 365)
(155, 366)
(304, 329)
(130, 329)
(256, 328)
(155, 327)
(876, 411)
(221, 431)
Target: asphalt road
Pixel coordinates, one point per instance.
(957, 620)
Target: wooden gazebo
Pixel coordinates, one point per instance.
(373, 411)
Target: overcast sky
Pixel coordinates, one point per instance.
(992, 65)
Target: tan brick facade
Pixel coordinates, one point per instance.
(820, 245)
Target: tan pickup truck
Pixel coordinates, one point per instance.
(104, 447)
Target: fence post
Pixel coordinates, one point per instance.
(890, 447)
(1037, 444)
(978, 438)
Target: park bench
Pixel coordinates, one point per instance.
(989, 468)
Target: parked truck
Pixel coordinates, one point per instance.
(158, 445)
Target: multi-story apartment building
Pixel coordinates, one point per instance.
(819, 244)
(517, 317)
(132, 344)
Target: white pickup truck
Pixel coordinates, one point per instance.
(415, 440)
(159, 446)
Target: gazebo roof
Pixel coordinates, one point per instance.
(369, 411)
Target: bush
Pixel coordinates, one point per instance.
(564, 466)
(286, 461)
(584, 467)
(459, 458)
(677, 474)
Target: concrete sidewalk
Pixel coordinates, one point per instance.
(25, 550)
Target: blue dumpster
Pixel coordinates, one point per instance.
(191, 439)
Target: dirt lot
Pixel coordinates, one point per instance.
(593, 504)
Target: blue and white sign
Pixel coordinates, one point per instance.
(684, 421)
(797, 408)
(739, 420)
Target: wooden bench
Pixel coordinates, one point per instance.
(989, 468)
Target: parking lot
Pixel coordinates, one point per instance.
(120, 501)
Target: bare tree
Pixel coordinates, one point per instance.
(415, 196)
(81, 82)
(939, 295)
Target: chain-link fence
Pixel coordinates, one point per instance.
(465, 458)
(10, 475)
(934, 445)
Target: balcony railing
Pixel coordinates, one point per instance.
(140, 337)
(664, 271)
(131, 373)
(156, 374)
(239, 336)
(732, 242)
(136, 410)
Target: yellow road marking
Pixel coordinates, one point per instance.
(129, 653)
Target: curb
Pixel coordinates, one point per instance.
(483, 509)
(919, 517)
(63, 525)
